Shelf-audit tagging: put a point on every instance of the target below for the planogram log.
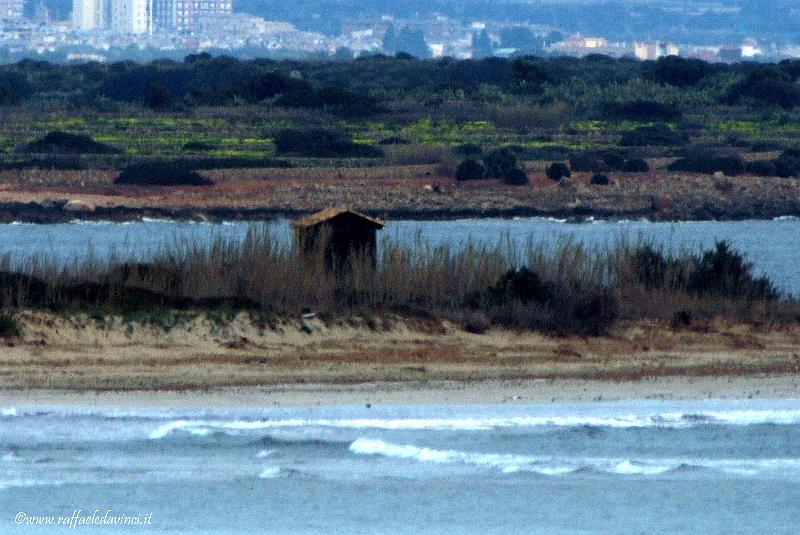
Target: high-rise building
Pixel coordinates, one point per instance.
(183, 15)
(88, 14)
(132, 16)
(11, 9)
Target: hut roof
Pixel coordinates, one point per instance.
(332, 213)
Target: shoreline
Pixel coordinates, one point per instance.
(57, 212)
(479, 392)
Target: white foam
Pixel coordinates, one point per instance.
(630, 468)
(8, 411)
(557, 466)
(10, 457)
(17, 483)
(664, 420)
(270, 472)
(264, 453)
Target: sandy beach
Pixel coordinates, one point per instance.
(385, 361)
(422, 393)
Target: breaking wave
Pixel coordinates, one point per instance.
(554, 466)
(663, 420)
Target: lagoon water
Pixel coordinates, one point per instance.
(771, 245)
(635, 467)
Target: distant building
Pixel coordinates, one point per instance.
(11, 9)
(654, 50)
(185, 15)
(585, 42)
(88, 15)
(132, 16)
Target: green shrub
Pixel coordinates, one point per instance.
(557, 171)
(169, 173)
(470, 170)
(599, 180)
(321, 143)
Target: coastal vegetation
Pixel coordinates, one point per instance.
(564, 288)
(602, 114)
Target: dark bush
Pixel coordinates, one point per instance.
(650, 267)
(498, 162)
(594, 313)
(233, 162)
(588, 163)
(767, 86)
(766, 146)
(501, 163)
(761, 168)
(705, 161)
(470, 170)
(58, 142)
(597, 161)
(659, 135)
(788, 164)
(468, 149)
(680, 72)
(170, 173)
(599, 180)
(515, 177)
(521, 285)
(10, 328)
(557, 171)
(393, 140)
(197, 146)
(321, 143)
(640, 110)
(683, 318)
(61, 163)
(158, 97)
(634, 165)
(724, 273)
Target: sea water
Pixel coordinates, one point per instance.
(645, 467)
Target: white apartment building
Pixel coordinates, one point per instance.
(132, 16)
(186, 15)
(88, 14)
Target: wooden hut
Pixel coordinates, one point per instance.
(338, 233)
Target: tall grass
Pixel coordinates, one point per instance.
(564, 287)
